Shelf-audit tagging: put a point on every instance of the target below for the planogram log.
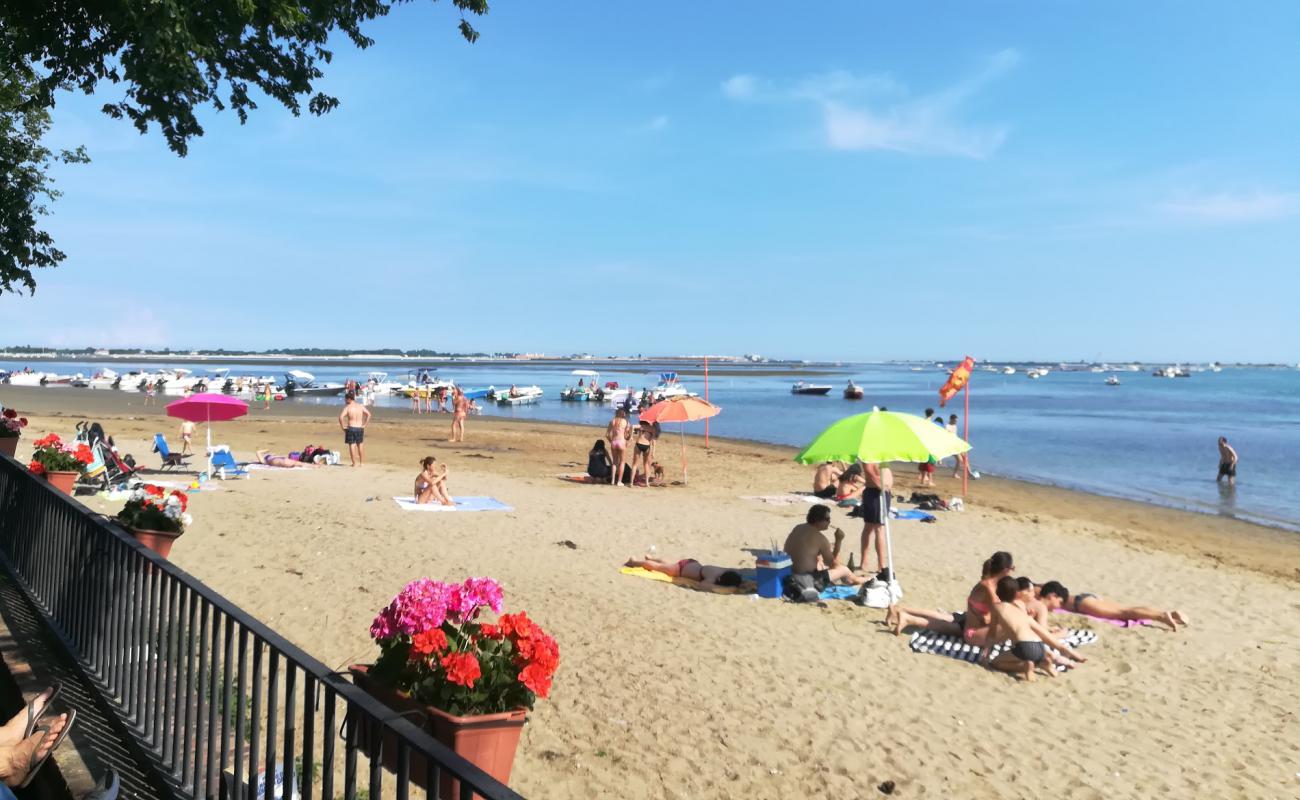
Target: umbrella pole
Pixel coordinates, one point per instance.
(889, 541)
(209, 426)
(682, 429)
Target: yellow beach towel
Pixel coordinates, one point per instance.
(638, 572)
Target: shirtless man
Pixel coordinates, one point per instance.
(459, 410)
(826, 479)
(1055, 596)
(1029, 639)
(880, 483)
(353, 421)
(811, 552)
(187, 434)
(1227, 462)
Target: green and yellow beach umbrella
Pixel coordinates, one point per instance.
(878, 437)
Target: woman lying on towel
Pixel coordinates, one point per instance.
(690, 569)
(972, 624)
(431, 483)
(1055, 596)
(271, 460)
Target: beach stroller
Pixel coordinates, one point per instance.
(109, 467)
(169, 459)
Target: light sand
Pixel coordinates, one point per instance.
(667, 692)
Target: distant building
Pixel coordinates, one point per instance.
(102, 352)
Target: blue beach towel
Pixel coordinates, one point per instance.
(839, 592)
(462, 504)
(914, 513)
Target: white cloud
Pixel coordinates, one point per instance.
(740, 87)
(1227, 207)
(877, 112)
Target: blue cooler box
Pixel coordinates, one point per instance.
(772, 569)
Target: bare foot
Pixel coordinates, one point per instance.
(1179, 617)
(17, 764)
(889, 615)
(1169, 620)
(1028, 671)
(903, 620)
(11, 733)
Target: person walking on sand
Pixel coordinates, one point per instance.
(187, 436)
(353, 421)
(616, 435)
(459, 411)
(1227, 462)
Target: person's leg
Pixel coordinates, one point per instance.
(902, 620)
(867, 529)
(1007, 662)
(880, 548)
(361, 452)
(1108, 609)
(654, 565)
(844, 576)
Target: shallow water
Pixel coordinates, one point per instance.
(1150, 439)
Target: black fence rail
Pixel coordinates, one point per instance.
(218, 705)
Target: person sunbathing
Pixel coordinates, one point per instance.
(1029, 639)
(1036, 608)
(972, 624)
(690, 569)
(431, 483)
(271, 460)
(1055, 596)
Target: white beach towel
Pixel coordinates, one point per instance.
(941, 644)
(462, 504)
(787, 499)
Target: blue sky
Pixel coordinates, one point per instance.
(848, 180)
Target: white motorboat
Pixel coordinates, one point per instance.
(299, 383)
(1008, 370)
(587, 388)
(1034, 374)
(852, 391)
(79, 381)
(518, 395)
(811, 388)
(53, 379)
(26, 378)
(105, 379)
(379, 383)
(1113, 380)
(668, 387)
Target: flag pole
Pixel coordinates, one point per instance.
(706, 399)
(965, 457)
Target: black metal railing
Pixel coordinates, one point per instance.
(215, 700)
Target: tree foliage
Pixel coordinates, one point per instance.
(171, 57)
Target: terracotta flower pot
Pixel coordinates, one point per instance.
(158, 541)
(9, 445)
(488, 741)
(63, 481)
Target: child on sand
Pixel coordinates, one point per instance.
(1029, 639)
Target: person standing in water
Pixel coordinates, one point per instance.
(353, 421)
(1227, 462)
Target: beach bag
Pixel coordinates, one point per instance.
(800, 589)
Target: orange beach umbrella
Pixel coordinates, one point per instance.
(683, 410)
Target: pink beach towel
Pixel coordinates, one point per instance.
(1119, 623)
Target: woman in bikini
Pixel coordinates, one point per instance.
(689, 569)
(646, 433)
(972, 624)
(271, 460)
(1055, 596)
(459, 410)
(616, 435)
(431, 483)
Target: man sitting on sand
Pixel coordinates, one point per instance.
(690, 569)
(1055, 596)
(271, 460)
(1010, 620)
(826, 479)
(811, 552)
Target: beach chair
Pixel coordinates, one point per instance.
(169, 458)
(224, 464)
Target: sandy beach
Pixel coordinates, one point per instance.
(664, 692)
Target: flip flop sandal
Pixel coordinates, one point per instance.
(33, 716)
(37, 763)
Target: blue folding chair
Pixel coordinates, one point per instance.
(169, 458)
(225, 466)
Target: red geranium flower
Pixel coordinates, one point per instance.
(517, 625)
(537, 680)
(156, 491)
(84, 455)
(22, 421)
(184, 498)
(10, 413)
(489, 631)
(426, 642)
(462, 668)
(36, 468)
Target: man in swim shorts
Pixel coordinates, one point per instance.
(875, 506)
(353, 421)
(811, 552)
(1227, 462)
(1029, 639)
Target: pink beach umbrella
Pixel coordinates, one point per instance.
(208, 407)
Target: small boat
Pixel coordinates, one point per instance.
(26, 378)
(810, 388)
(79, 381)
(518, 395)
(586, 389)
(1008, 370)
(297, 382)
(852, 391)
(478, 394)
(1113, 380)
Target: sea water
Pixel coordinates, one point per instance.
(1149, 439)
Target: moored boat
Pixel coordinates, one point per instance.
(810, 388)
(852, 391)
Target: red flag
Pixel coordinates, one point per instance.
(956, 380)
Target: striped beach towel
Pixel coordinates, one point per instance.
(941, 644)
